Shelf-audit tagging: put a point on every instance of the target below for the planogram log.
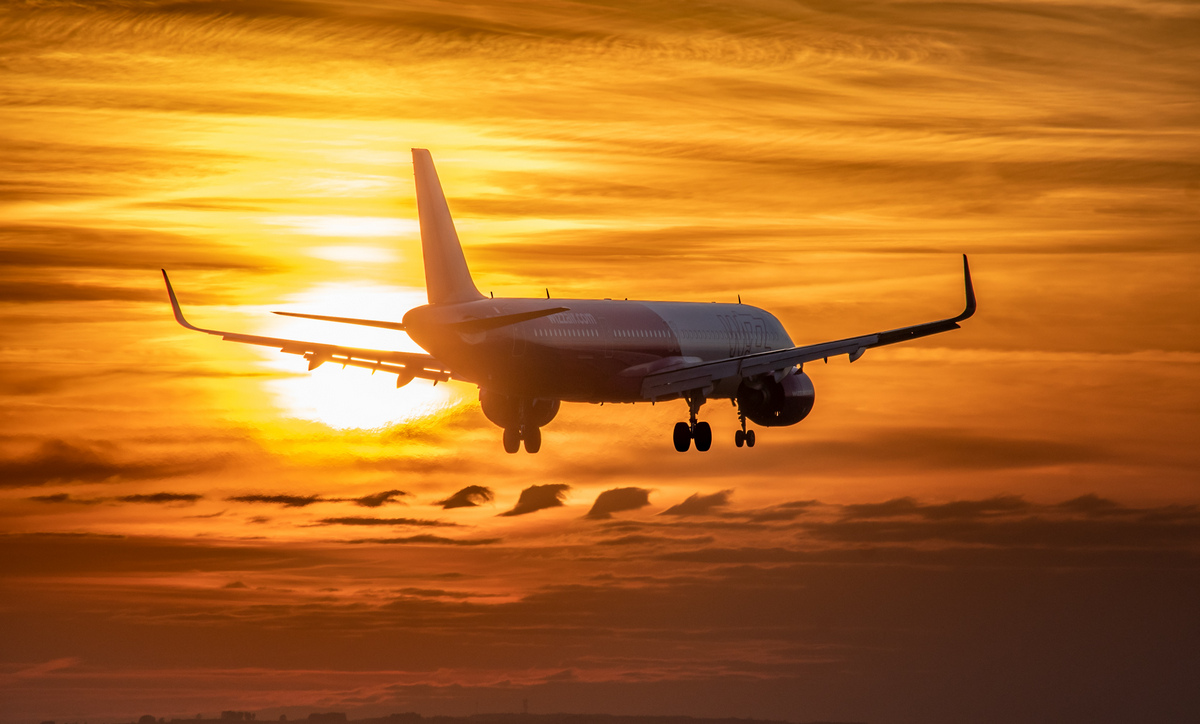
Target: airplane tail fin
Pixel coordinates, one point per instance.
(447, 279)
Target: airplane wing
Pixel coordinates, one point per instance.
(406, 365)
(701, 375)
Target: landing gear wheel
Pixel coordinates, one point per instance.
(739, 438)
(703, 436)
(533, 439)
(512, 440)
(749, 438)
(682, 436)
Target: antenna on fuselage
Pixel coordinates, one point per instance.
(547, 292)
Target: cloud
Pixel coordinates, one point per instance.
(22, 292)
(698, 504)
(61, 461)
(1088, 522)
(999, 505)
(1092, 504)
(161, 498)
(654, 540)
(65, 498)
(426, 539)
(287, 501)
(776, 513)
(87, 554)
(468, 497)
(539, 497)
(359, 520)
(378, 499)
(158, 498)
(617, 500)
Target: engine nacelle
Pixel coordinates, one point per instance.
(775, 404)
(509, 412)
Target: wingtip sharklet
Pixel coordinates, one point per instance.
(970, 292)
(175, 305)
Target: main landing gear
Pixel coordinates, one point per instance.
(514, 435)
(686, 432)
(701, 432)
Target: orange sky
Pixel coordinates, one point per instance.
(997, 524)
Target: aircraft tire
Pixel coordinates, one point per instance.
(703, 436)
(682, 436)
(512, 440)
(739, 438)
(533, 439)
(749, 438)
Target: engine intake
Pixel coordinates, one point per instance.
(775, 404)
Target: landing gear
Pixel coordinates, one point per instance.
(686, 432)
(533, 439)
(513, 437)
(512, 440)
(682, 436)
(521, 418)
(743, 436)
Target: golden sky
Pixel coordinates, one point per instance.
(997, 524)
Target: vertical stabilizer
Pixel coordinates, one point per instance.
(447, 279)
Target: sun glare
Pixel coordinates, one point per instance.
(350, 397)
(355, 254)
(346, 226)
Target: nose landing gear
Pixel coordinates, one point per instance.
(743, 436)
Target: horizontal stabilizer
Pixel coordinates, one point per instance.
(346, 320)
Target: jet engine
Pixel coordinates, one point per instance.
(775, 404)
(511, 412)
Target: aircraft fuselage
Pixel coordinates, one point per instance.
(598, 351)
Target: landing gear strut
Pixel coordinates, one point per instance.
(686, 432)
(743, 436)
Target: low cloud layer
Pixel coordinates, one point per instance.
(539, 497)
(380, 499)
(146, 498)
(287, 501)
(617, 500)
(426, 539)
(698, 504)
(364, 521)
(469, 497)
(61, 461)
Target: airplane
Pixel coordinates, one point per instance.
(527, 356)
